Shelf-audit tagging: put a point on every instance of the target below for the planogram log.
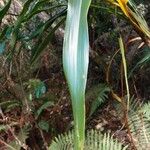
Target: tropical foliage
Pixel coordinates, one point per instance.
(100, 50)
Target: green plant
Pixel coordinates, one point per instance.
(97, 95)
(75, 50)
(9, 105)
(136, 19)
(75, 59)
(75, 62)
(94, 141)
(4, 10)
(139, 125)
(5, 127)
(20, 139)
(20, 26)
(44, 125)
(124, 62)
(140, 130)
(143, 60)
(36, 88)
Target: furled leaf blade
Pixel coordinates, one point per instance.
(75, 61)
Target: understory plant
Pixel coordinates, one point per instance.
(76, 57)
(94, 141)
(75, 61)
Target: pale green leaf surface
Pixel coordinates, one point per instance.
(75, 61)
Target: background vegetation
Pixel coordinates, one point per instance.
(35, 104)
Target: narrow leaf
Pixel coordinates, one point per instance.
(125, 69)
(4, 10)
(36, 52)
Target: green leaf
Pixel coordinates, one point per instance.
(8, 32)
(2, 34)
(124, 62)
(37, 87)
(4, 10)
(36, 11)
(26, 7)
(18, 25)
(5, 127)
(40, 90)
(2, 47)
(22, 136)
(145, 110)
(143, 61)
(44, 125)
(40, 46)
(99, 94)
(9, 104)
(44, 106)
(75, 62)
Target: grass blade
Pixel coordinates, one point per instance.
(125, 69)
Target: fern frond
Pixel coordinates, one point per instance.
(139, 123)
(43, 106)
(97, 141)
(94, 141)
(63, 142)
(5, 127)
(140, 130)
(10, 104)
(97, 95)
(145, 110)
(22, 136)
(135, 104)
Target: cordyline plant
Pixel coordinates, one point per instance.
(75, 61)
